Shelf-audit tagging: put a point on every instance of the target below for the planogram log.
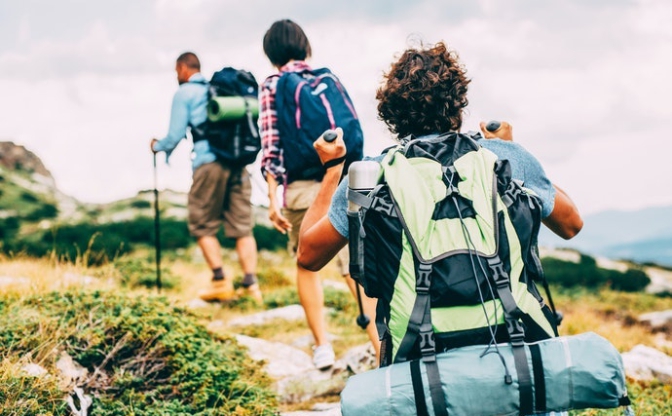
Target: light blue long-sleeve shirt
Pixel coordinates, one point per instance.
(189, 108)
(524, 167)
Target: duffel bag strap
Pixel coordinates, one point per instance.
(420, 327)
(516, 334)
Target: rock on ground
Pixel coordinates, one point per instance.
(319, 409)
(296, 378)
(646, 363)
(288, 313)
(657, 320)
(661, 280)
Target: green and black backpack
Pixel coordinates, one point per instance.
(447, 242)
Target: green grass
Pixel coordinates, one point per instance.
(144, 356)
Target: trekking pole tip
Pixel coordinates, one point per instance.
(363, 321)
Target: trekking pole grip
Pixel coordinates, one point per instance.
(493, 125)
(329, 136)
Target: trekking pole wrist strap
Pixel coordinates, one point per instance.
(334, 162)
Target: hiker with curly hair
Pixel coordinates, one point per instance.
(423, 97)
(424, 94)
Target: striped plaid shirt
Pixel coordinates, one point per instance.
(271, 159)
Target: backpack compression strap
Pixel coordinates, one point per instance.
(511, 315)
(420, 326)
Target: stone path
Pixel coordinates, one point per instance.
(296, 378)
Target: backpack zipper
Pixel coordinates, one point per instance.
(325, 102)
(330, 113)
(297, 96)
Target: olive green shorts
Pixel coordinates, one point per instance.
(299, 195)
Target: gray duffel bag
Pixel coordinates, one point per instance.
(573, 372)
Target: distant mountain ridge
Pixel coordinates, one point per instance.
(28, 191)
(643, 235)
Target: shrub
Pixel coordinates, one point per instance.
(144, 357)
(133, 273)
(44, 211)
(333, 298)
(8, 227)
(633, 280)
(28, 197)
(587, 274)
(569, 274)
(267, 239)
(141, 203)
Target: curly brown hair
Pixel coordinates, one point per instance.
(424, 92)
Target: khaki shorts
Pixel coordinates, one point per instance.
(300, 195)
(220, 195)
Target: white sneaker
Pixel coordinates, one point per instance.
(323, 356)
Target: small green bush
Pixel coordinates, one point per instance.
(44, 211)
(28, 197)
(588, 275)
(134, 272)
(8, 227)
(333, 298)
(141, 203)
(144, 356)
(267, 239)
(633, 280)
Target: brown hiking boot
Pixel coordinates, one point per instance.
(219, 291)
(253, 292)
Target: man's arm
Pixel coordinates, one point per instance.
(179, 121)
(565, 219)
(319, 241)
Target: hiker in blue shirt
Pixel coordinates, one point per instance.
(219, 195)
(423, 95)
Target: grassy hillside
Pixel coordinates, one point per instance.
(105, 302)
(36, 220)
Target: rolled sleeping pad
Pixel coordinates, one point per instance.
(576, 372)
(231, 108)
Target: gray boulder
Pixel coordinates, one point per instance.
(287, 313)
(657, 320)
(646, 363)
(319, 409)
(296, 378)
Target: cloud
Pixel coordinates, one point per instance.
(88, 83)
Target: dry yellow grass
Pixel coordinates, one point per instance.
(610, 314)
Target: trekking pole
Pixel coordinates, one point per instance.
(362, 319)
(157, 229)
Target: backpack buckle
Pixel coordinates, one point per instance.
(512, 193)
(381, 205)
(516, 332)
(423, 280)
(499, 275)
(427, 344)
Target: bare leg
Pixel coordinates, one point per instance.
(246, 247)
(212, 251)
(369, 305)
(312, 300)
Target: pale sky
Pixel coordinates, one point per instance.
(586, 84)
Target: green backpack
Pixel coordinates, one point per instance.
(447, 242)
